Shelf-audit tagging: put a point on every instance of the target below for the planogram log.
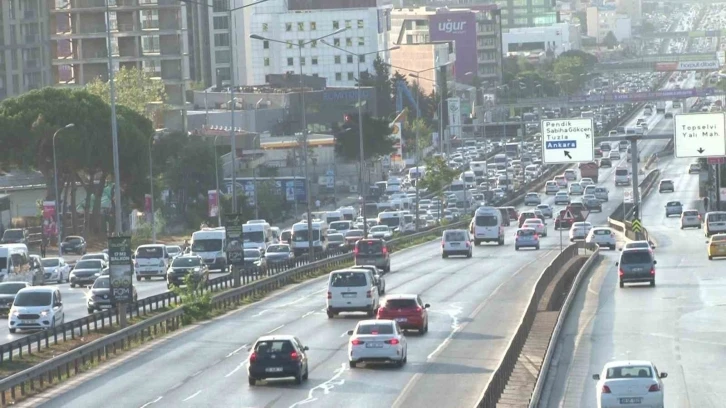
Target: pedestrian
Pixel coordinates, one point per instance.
(705, 204)
(317, 204)
(43, 245)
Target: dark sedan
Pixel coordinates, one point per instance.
(100, 296)
(86, 272)
(73, 244)
(336, 241)
(8, 290)
(278, 253)
(184, 265)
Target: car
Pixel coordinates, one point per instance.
(278, 356)
(523, 216)
(673, 208)
(352, 236)
(540, 215)
(716, 246)
(579, 230)
(576, 189)
(622, 176)
(638, 244)
(666, 185)
(551, 187)
(668, 115)
(570, 175)
(409, 311)
(100, 297)
(277, 253)
(606, 162)
(694, 168)
(604, 237)
(335, 241)
(352, 290)
(380, 231)
(456, 242)
(372, 251)
(629, 383)
(532, 199)
(378, 279)
(526, 238)
(589, 189)
(187, 265)
(614, 155)
(586, 181)
(73, 244)
(254, 261)
(636, 265)
(561, 182)
(174, 250)
(8, 290)
(562, 198)
(602, 193)
(561, 222)
(690, 219)
(97, 255)
(86, 271)
(536, 224)
(377, 341)
(592, 203)
(37, 308)
(546, 210)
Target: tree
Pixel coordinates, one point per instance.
(588, 60)
(379, 80)
(424, 136)
(570, 72)
(377, 139)
(134, 88)
(270, 200)
(438, 175)
(610, 40)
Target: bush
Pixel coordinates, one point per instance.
(196, 302)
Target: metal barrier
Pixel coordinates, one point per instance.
(500, 376)
(620, 222)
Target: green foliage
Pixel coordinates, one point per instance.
(424, 135)
(570, 73)
(270, 203)
(377, 140)
(196, 301)
(134, 88)
(610, 40)
(438, 175)
(379, 80)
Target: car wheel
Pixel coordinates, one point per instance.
(476, 242)
(710, 258)
(469, 254)
(251, 381)
(352, 364)
(371, 313)
(138, 278)
(148, 278)
(298, 378)
(306, 375)
(537, 247)
(73, 285)
(652, 283)
(612, 247)
(516, 248)
(90, 310)
(13, 330)
(399, 363)
(622, 285)
(330, 314)
(444, 255)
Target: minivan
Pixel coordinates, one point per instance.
(456, 242)
(36, 308)
(151, 261)
(622, 177)
(715, 223)
(487, 226)
(352, 290)
(636, 265)
(372, 251)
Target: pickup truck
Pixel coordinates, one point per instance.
(589, 169)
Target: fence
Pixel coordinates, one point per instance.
(619, 219)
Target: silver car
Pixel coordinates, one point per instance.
(690, 219)
(579, 230)
(562, 198)
(377, 341)
(532, 199)
(546, 210)
(604, 237)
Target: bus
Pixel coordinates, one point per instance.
(512, 150)
(500, 159)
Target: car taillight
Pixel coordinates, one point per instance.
(605, 389)
(419, 309)
(392, 341)
(356, 342)
(652, 271)
(620, 272)
(654, 388)
(330, 295)
(355, 251)
(468, 244)
(536, 236)
(368, 294)
(253, 357)
(294, 356)
(381, 310)
(385, 251)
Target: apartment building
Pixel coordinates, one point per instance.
(601, 21)
(24, 49)
(521, 13)
(146, 34)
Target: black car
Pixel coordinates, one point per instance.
(605, 162)
(86, 271)
(100, 296)
(15, 236)
(666, 185)
(8, 290)
(184, 265)
(336, 241)
(73, 244)
(278, 253)
(279, 356)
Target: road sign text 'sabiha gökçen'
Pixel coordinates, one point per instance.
(567, 141)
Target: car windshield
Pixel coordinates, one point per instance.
(340, 225)
(253, 236)
(621, 172)
(400, 303)
(337, 237)
(370, 247)
(717, 217)
(102, 283)
(635, 257)
(302, 235)
(525, 232)
(273, 347)
(252, 253)
(149, 252)
(72, 240)
(666, 183)
(533, 221)
(89, 264)
(173, 249)
(375, 329)
(32, 299)
(13, 234)
(456, 236)
(629, 372)
(206, 245)
(348, 279)
(278, 248)
(50, 262)
(486, 221)
(11, 288)
(718, 238)
(381, 228)
(100, 257)
(691, 213)
(390, 221)
(674, 204)
(186, 262)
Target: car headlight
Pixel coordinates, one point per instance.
(14, 312)
(197, 269)
(97, 274)
(44, 313)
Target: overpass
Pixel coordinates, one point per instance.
(684, 34)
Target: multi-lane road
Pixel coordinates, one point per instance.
(476, 306)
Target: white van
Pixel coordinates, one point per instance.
(151, 261)
(352, 290)
(715, 223)
(36, 308)
(15, 263)
(256, 236)
(486, 226)
(469, 179)
(622, 176)
(341, 226)
(392, 219)
(300, 244)
(210, 245)
(332, 216)
(348, 213)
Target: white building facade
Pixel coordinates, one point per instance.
(600, 22)
(556, 38)
(299, 21)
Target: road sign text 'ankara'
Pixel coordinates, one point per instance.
(567, 141)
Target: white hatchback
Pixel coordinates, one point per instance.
(690, 219)
(377, 341)
(576, 189)
(630, 384)
(562, 198)
(536, 224)
(604, 237)
(579, 230)
(456, 242)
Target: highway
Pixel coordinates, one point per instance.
(476, 306)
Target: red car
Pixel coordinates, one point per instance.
(353, 236)
(408, 311)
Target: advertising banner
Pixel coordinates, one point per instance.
(397, 135)
(213, 203)
(454, 117)
(710, 65)
(120, 269)
(459, 27)
(50, 229)
(235, 242)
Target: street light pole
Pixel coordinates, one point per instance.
(216, 181)
(151, 184)
(118, 227)
(57, 195)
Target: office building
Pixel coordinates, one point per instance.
(520, 13)
(422, 57)
(298, 21)
(24, 49)
(554, 39)
(146, 34)
(601, 21)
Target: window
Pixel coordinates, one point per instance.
(222, 56)
(301, 26)
(361, 58)
(360, 23)
(314, 60)
(265, 27)
(374, 329)
(338, 76)
(313, 26)
(302, 61)
(288, 26)
(336, 42)
(361, 41)
(314, 44)
(266, 61)
(221, 40)
(221, 23)
(486, 221)
(315, 75)
(401, 303)
(337, 59)
(348, 42)
(220, 6)
(290, 62)
(635, 257)
(348, 279)
(300, 43)
(266, 45)
(336, 25)
(349, 59)
(347, 23)
(150, 43)
(629, 372)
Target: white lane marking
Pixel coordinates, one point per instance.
(236, 351)
(307, 314)
(239, 367)
(191, 396)
(261, 313)
(152, 402)
(455, 327)
(197, 373)
(276, 328)
(326, 387)
(345, 333)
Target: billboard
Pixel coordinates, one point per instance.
(459, 27)
(120, 266)
(454, 117)
(711, 65)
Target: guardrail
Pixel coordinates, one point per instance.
(500, 376)
(619, 221)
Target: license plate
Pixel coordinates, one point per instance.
(273, 369)
(376, 344)
(630, 400)
(348, 295)
(401, 319)
(454, 244)
(27, 322)
(105, 306)
(637, 269)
